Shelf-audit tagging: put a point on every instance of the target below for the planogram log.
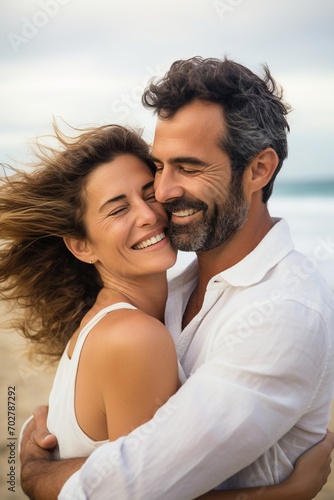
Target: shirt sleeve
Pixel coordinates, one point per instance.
(73, 489)
(235, 406)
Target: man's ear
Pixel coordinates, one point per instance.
(263, 167)
(80, 249)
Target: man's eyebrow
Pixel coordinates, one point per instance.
(124, 196)
(189, 160)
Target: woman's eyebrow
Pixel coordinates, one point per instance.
(112, 200)
(124, 196)
(148, 185)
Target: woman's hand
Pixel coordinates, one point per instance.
(312, 469)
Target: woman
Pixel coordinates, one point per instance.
(85, 254)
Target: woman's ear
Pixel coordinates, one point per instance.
(80, 249)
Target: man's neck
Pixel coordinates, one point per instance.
(227, 255)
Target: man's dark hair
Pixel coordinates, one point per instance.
(253, 107)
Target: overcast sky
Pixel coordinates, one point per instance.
(88, 62)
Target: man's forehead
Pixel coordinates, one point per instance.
(194, 116)
(197, 125)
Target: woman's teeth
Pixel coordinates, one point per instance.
(150, 241)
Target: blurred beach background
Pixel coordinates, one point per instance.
(87, 63)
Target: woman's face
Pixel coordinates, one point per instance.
(127, 229)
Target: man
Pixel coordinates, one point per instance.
(252, 323)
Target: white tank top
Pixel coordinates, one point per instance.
(72, 440)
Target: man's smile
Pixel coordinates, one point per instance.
(185, 212)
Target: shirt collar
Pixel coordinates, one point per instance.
(269, 252)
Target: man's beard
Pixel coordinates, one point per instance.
(217, 224)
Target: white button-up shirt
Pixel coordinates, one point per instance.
(259, 357)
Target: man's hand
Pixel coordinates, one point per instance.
(37, 442)
(42, 477)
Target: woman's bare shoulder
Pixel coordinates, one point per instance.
(129, 331)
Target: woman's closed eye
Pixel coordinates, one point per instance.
(151, 197)
(118, 210)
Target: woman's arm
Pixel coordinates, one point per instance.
(309, 476)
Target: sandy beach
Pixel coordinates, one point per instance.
(31, 387)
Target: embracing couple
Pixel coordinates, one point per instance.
(171, 400)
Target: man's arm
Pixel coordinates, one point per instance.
(42, 477)
(310, 473)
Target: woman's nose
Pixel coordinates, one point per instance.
(147, 215)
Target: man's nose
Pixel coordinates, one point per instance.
(167, 185)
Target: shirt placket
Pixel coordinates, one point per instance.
(193, 338)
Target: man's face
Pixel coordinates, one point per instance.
(194, 180)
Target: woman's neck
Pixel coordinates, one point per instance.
(148, 293)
